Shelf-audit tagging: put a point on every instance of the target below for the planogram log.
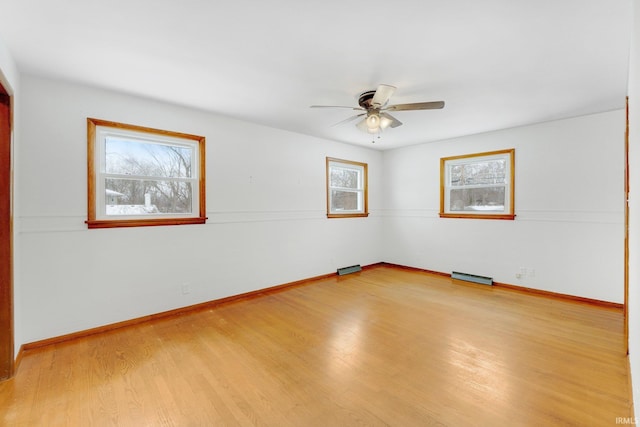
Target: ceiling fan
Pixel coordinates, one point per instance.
(374, 104)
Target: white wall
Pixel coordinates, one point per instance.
(262, 231)
(634, 206)
(568, 202)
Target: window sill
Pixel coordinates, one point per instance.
(110, 223)
(509, 217)
(355, 215)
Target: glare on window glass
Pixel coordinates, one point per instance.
(131, 157)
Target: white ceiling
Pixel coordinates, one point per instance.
(496, 63)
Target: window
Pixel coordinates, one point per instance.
(139, 176)
(346, 188)
(478, 185)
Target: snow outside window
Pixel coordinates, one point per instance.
(140, 176)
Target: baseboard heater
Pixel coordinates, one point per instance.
(472, 278)
(351, 269)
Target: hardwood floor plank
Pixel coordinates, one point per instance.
(385, 346)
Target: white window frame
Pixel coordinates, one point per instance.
(361, 190)
(446, 165)
(98, 132)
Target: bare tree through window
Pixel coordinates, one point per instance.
(150, 176)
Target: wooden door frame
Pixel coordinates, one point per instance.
(626, 229)
(7, 357)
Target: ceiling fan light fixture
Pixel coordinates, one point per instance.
(373, 122)
(385, 122)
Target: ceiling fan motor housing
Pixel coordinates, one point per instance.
(365, 99)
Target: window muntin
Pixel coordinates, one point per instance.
(346, 188)
(478, 185)
(140, 176)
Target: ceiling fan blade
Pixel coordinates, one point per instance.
(336, 106)
(436, 105)
(394, 122)
(347, 120)
(382, 95)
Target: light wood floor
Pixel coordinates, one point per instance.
(386, 346)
